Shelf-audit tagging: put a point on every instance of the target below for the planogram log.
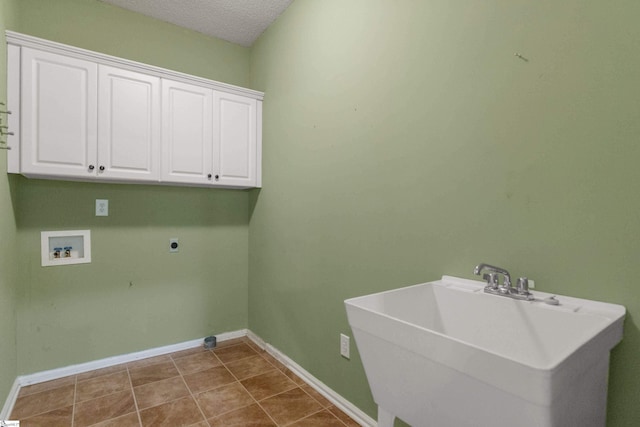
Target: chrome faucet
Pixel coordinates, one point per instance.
(493, 287)
(491, 278)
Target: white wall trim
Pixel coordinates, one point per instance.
(11, 400)
(13, 105)
(53, 374)
(124, 358)
(19, 39)
(343, 404)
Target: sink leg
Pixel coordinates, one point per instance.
(385, 418)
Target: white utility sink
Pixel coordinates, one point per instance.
(446, 354)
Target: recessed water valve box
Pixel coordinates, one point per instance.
(65, 247)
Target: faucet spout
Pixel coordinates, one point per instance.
(521, 292)
(482, 267)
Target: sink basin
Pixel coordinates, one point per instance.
(446, 354)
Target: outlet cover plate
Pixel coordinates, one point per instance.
(344, 346)
(102, 207)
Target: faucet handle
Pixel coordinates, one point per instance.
(523, 286)
(492, 280)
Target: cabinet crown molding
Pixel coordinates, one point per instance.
(19, 39)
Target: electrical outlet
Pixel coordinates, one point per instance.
(532, 284)
(173, 245)
(102, 207)
(344, 346)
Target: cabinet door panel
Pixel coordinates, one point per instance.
(129, 125)
(186, 133)
(60, 120)
(234, 140)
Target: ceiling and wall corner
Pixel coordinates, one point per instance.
(237, 21)
(102, 27)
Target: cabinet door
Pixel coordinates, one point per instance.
(186, 133)
(234, 140)
(128, 125)
(59, 118)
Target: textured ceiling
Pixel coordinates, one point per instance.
(237, 21)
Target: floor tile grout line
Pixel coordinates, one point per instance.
(280, 392)
(276, 394)
(235, 345)
(103, 395)
(135, 400)
(216, 356)
(99, 396)
(301, 388)
(252, 376)
(146, 366)
(22, 393)
(100, 375)
(324, 408)
(52, 409)
(204, 417)
(252, 397)
(73, 408)
(317, 412)
(309, 416)
(236, 381)
(259, 405)
(311, 396)
(249, 393)
(284, 370)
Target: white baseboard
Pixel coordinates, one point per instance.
(343, 404)
(256, 340)
(11, 400)
(53, 374)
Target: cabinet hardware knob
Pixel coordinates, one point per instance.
(217, 177)
(91, 167)
(101, 168)
(209, 176)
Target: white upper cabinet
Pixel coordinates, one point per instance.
(59, 120)
(88, 116)
(234, 142)
(186, 133)
(208, 136)
(128, 125)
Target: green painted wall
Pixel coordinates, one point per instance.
(134, 295)
(404, 140)
(8, 254)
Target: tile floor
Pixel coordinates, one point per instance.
(236, 384)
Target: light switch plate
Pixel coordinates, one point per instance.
(102, 207)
